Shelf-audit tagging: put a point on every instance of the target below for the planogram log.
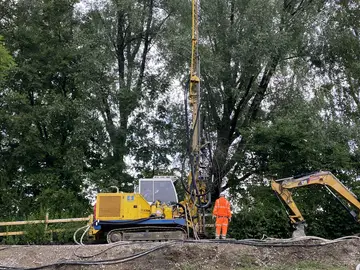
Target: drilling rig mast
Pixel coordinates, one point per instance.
(198, 198)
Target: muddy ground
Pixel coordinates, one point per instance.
(187, 256)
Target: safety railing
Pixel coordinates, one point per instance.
(46, 222)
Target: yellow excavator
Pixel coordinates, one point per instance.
(283, 186)
(153, 212)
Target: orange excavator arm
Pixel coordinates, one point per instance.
(283, 186)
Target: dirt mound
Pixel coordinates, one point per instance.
(343, 255)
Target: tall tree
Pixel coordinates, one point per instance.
(46, 146)
(336, 64)
(242, 51)
(123, 79)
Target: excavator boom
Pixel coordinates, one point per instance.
(283, 186)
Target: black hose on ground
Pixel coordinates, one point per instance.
(251, 242)
(93, 262)
(114, 245)
(257, 244)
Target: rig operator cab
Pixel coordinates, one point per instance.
(159, 188)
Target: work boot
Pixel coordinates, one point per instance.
(223, 237)
(217, 237)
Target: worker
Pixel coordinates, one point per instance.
(222, 213)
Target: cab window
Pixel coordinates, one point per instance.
(164, 191)
(146, 189)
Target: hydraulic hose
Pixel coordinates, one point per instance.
(183, 207)
(189, 136)
(82, 236)
(273, 242)
(75, 233)
(111, 246)
(205, 205)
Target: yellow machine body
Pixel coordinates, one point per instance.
(121, 206)
(135, 217)
(168, 212)
(129, 206)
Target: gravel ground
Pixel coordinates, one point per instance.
(344, 255)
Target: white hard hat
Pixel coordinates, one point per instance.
(222, 194)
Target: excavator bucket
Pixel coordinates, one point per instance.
(299, 231)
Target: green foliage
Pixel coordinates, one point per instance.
(46, 126)
(123, 34)
(260, 215)
(158, 140)
(298, 141)
(6, 61)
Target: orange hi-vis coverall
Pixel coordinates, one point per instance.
(222, 212)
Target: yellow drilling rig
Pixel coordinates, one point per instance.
(153, 211)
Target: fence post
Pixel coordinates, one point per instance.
(46, 226)
(46, 220)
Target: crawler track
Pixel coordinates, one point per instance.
(146, 233)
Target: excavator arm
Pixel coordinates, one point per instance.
(283, 186)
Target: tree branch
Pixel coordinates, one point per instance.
(146, 45)
(247, 96)
(241, 179)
